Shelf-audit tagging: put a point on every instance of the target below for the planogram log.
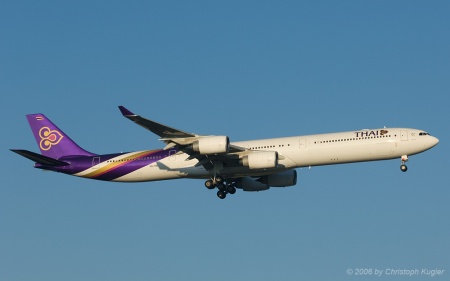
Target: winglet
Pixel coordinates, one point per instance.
(125, 111)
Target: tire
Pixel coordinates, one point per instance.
(209, 184)
(231, 189)
(404, 168)
(221, 194)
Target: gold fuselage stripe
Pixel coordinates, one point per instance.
(114, 165)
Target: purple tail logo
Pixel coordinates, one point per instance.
(52, 141)
(49, 138)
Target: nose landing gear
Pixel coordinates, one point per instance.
(403, 167)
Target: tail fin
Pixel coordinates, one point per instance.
(51, 140)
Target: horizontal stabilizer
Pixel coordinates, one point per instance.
(38, 158)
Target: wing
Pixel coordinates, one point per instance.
(212, 152)
(205, 148)
(165, 132)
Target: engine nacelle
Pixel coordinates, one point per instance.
(282, 179)
(261, 160)
(249, 184)
(212, 145)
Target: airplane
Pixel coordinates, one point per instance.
(254, 165)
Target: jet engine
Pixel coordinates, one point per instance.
(211, 145)
(260, 160)
(282, 179)
(249, 184)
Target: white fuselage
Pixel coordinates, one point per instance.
(300, 151)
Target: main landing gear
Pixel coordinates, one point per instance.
(223, 187)
(403, 167)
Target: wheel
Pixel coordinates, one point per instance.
(219, 179)
(221, 187)
(209, 184)
(403, 168)
(231, 189)
(221, 194)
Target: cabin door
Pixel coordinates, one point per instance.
(172, 155)
(95, 162)
(302, 144)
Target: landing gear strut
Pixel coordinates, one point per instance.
(403, 167)
(223, 187)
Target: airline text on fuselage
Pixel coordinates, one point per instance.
(371, 133)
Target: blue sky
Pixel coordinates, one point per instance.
(247, 69)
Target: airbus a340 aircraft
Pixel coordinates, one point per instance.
(249, 165)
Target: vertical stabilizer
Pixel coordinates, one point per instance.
(51, 140)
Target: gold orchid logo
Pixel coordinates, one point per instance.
(49, 138)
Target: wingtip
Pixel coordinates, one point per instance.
(125, 111)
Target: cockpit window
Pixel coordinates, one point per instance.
(424, 134)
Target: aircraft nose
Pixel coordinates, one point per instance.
(434, 141)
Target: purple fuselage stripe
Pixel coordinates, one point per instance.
(82, 163)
